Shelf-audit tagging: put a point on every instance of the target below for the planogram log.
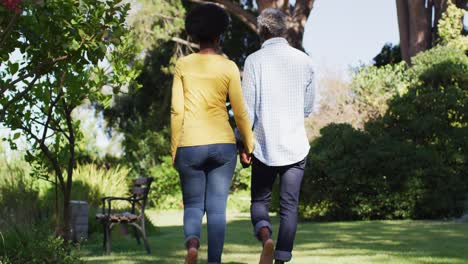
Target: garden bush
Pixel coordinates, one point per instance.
(409, 162)
(90, 183)
(241, 179)
(36, 245)
(165, 189)
(19, 192)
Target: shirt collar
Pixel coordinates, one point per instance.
(273, 41)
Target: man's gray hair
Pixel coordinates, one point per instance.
(272, 21)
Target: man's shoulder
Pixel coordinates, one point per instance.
(254, 56)
(265, 54)
(299, 55)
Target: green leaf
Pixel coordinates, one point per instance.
(14, 68)
(74, 45)
(16, 135)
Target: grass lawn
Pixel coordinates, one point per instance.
(336, 242)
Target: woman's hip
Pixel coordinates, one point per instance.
(205, 156)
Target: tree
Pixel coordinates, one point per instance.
(142, 114)
(390, 54)
(297, 14)
(61, 46)
(418, 24)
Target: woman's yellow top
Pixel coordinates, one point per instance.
(202, 84)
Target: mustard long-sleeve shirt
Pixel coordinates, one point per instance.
(202, 84)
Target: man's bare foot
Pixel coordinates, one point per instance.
(267, 252)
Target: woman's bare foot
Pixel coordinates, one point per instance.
(192, 251)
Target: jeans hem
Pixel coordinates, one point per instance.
(260, 225)
(190, 237)
(283, 255)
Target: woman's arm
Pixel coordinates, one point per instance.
(177, 110)
(240, 113)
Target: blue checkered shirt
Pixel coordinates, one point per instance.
(278, 86)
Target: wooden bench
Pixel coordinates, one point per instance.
(138, 199)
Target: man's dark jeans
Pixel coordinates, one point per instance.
(263, 177)
(205, 175)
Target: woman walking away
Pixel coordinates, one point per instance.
(203, 142)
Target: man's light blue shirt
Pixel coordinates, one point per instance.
(278, 86)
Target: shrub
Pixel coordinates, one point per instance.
(18, 198)
(373, 86)
(36, 245)
(165, 189)
(241, 179)
(409, 162)
(19, 192)
(91, 183)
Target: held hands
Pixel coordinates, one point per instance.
(245, 158)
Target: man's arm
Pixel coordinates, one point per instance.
(249, 93)
(241, 116)
(310, 94)
(248, 90)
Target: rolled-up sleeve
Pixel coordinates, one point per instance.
(177, 109)
(241, 115)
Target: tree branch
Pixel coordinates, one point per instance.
(40, 69)
(59, 129)
(46, 179)
(164, 16)
(71, 143)
(8, 29)
(235, 9)
(48, 154)
(52, 105)
(17, 97)
(185, 42)
(34, 120)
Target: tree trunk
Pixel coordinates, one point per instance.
(420, 35)
(403, 22)
(70, 167)
(418, 24)
(66, 218)
(414, 22)
(298, 21)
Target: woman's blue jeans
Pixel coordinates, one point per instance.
(205, 175)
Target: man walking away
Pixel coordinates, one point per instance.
(278, 87)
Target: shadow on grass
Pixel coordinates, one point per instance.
(412, 241)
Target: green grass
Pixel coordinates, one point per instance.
(337, 242)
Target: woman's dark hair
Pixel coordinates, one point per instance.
(206, 22)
